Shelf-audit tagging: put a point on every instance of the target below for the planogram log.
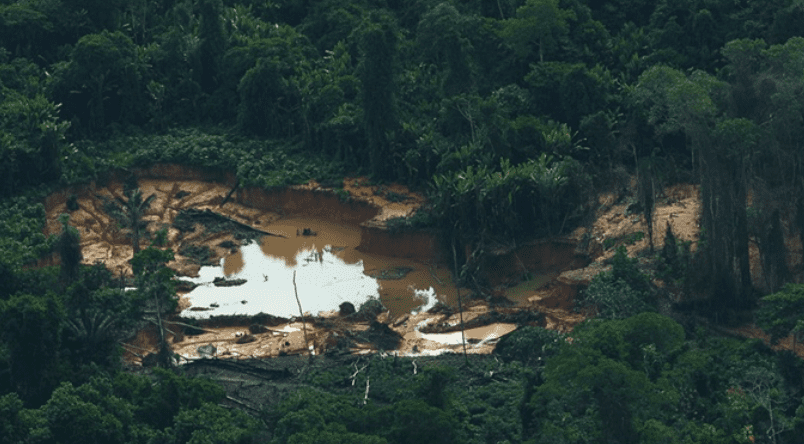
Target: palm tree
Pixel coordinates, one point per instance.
(130, 212)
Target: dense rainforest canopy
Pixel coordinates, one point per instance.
(511, 114)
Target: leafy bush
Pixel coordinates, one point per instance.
(256, 162)
(622, 292)
(529, 345)
(309, 410)
(369, 310)
(423, 218)
(534, 197)
(129, 408)
(414, 421)
(613, 299)
(782, 313)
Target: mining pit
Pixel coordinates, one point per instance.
(247, 259)
(250, 257)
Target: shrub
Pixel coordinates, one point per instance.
(620, 293)
(782, 313)
(537, 196)
(529, 345)
(674, 258)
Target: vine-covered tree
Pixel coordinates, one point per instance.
(101, 82)
(537, 23)
(155, 285)
(674, 102)
(212, 43)
(441, 36)
(264, 100)
(69, 249)
(32, 139)
(31, 331)
(378, 48)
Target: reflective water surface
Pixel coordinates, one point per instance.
(329, 271)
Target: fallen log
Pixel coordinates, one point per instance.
(186, 217)
(229, 194)
(182, 324)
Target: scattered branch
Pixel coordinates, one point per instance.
(133, 352)
(182, 324)
(357, 370)
(246, 405)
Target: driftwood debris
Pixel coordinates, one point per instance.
(182, 324)
(223, 282)
(208, 215)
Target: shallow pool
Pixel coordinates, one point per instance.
(328, 271)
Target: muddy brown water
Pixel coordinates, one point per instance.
(329, 270)
(351, 257)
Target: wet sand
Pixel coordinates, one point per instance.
(398, 275)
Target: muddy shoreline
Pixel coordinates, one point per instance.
(541, 276)
(207, 239)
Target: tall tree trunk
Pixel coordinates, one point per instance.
(724, 226)
(647, 193)
(135, 237)
(800, 222)
(772, 252)
(379, 48)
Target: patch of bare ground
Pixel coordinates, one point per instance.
(103, 239)
(539, 277)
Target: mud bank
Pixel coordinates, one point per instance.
(308, 226)
(537, 257)
(308, 200)
(420, 245)
(178, 187)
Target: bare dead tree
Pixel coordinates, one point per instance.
(301, 313)
(460, 304)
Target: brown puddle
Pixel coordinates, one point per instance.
(350, 234)
(329, 270)
(347, 253)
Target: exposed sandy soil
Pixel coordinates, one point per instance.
(103, 240)
(405, 204)
(679, 208)
(289, 339)
(551, 288)
(612, 225)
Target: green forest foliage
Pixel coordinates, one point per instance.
(635, 380)
(509, 114)
(620, 293)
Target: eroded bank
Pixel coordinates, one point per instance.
(347, 225)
